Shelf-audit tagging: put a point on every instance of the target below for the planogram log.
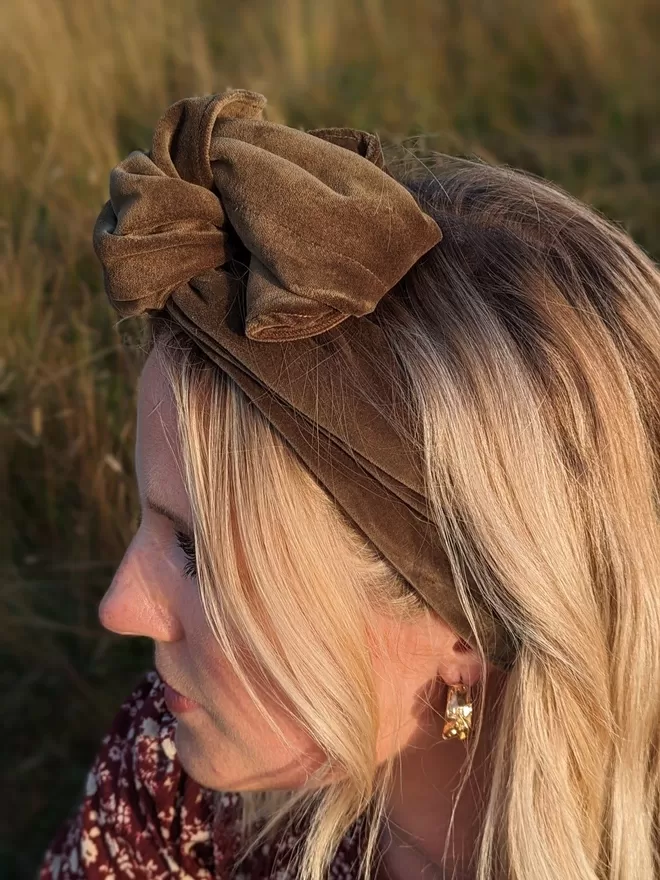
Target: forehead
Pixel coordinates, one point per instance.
(157, 453)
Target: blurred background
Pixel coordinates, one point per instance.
(567, 89)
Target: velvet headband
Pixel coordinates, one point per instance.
(272, 247)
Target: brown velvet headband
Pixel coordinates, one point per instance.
(272, 248)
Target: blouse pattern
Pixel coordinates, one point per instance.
(141, 817)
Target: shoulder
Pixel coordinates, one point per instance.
(140, 815)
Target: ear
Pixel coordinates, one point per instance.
(457, 660)
(463, 664)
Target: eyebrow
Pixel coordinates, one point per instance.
(178, 521)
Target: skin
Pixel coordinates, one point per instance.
(225, 744)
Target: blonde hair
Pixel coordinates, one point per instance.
(530, 337)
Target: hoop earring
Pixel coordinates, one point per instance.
(458, 714)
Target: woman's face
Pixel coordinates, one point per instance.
(225, 744)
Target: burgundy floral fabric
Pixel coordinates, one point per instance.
(142, 817)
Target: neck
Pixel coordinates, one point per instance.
(424, 792)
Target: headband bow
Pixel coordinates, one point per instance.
(322, 231)
(328, 230)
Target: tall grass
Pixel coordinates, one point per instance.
(566, 88)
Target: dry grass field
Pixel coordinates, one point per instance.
(567, 88)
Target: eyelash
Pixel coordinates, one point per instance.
(188, 546)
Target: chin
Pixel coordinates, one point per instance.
(192, 756)
(189, 752)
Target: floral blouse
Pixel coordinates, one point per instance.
(142, 817)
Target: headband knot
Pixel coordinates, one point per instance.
(328, 230)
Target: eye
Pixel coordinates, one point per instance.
(188, 546)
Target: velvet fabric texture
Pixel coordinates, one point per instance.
(272, 247)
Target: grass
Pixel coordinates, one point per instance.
(567, 89)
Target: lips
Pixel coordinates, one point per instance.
(177, 702)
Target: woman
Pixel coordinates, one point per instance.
(397, 453)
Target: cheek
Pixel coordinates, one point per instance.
(398, 706)
(231, 744)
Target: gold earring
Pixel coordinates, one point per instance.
(458, 715)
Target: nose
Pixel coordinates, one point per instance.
(139, 600)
